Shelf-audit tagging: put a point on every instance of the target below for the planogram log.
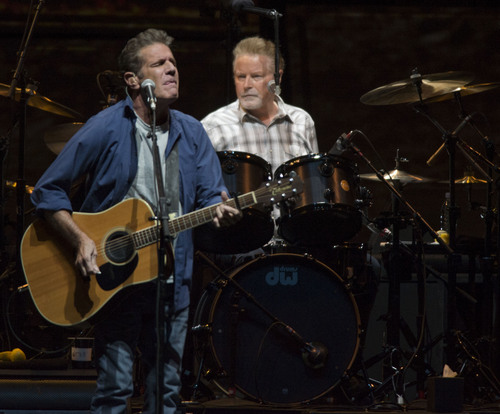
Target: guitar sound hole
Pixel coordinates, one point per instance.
(120, 247)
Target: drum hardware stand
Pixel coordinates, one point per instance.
(468, 357)
(394, 294)
(19, 80)
(451, 142)
(314, 354)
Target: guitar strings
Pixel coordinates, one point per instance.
(145, 237)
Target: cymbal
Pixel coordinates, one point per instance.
(38, 101)
(468, 179)
(57, 137)
(405, 91)
(465, 91)
(13, 184)
(401, 176)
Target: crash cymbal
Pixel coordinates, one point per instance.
(468, 179)
(57, 137)
(405, 91)
(465, 91)
(38, 101)
(401, 176)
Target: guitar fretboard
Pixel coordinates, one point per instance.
(145, 237)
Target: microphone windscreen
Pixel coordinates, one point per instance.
(239, 4)
(148, 82)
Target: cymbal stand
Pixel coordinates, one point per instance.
(451, 143)
(393, 324)
(4, 149)
(19, 78)
(394, 294)
(490, 283)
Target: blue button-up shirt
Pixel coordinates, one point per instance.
(105, 149)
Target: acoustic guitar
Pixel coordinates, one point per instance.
(126, 238)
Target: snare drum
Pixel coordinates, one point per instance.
(327, 211)
(242, 173)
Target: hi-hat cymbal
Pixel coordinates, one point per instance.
(57, 137)
(401, 176)
(464, 91)
(468, 179)
(405, 91)
(38, 101)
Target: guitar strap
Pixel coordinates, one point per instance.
(172, 183)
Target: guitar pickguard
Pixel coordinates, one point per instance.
(113, 275)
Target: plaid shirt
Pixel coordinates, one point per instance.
(290, 134)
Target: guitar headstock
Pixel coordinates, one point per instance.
(276, 191)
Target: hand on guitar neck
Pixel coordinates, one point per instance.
(225, 215)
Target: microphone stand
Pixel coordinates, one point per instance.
(276, 20)
(19, 78)
(164, 256)
(232, 32)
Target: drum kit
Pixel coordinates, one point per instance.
(267, 329)
(257, 326)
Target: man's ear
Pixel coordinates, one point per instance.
(131, 80)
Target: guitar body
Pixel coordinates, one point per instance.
(59, 292)
(125, 238)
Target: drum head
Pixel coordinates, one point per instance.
(253, 352)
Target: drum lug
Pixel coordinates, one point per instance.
(308, 256)
(365, 198)
(326, 169)
(229, 166)
(202, 329)
(219, 283)
(329, 195)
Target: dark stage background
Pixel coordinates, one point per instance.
(335, 51)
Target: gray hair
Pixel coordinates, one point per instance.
(257, 46)
(130, 59)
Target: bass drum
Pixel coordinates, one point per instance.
(246, 346)
(242, 173)
(327, 211)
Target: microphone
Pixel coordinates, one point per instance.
(249, 7)
(148, 87)
(271, 86)
(314, 354)
(443, 145)
(342, 143)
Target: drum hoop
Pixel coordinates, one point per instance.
(245, 156)
(303, 159)
(239, 269)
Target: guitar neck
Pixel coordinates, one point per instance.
(191, 220)
(207, 214)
